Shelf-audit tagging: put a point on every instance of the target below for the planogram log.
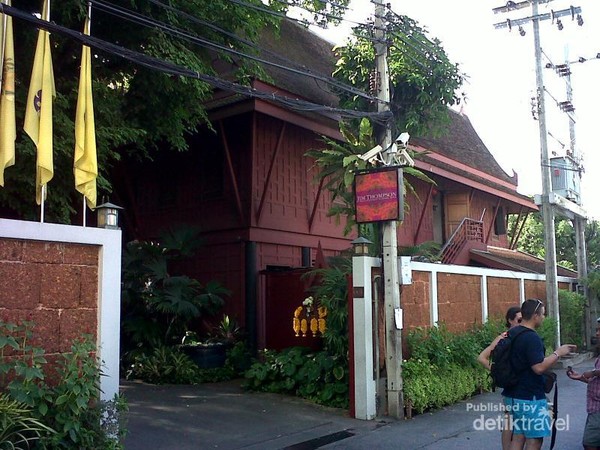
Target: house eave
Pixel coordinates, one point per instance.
(223, 106)
(515, 198)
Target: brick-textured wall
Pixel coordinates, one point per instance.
(54, 285)
(502, 294)
(416, 301)
(459, 300)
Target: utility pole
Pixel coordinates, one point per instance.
(545, 203)
(393, 335)
(579, 221)
(547, 209)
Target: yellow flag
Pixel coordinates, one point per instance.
(85, 165)
(38, 114)
(8, 127)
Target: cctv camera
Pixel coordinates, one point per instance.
(403, 138)
(372, 154)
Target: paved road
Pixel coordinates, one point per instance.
(222, 416)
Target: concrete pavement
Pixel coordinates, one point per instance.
(223, 416)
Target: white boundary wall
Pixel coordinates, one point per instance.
(109, 284)
(365, 385)
(435, 269)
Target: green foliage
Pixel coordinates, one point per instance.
(423, 80)
(158, 307)
(548, 334)
(70, 409)
(317, 376)
(168, 365)
(442, 367)
(136, 108)
(532, 240)
(18, 427)
(163, 365)
(331, 291)
(21, 366)
(571, 308)
(429, 386)
(593, 282)
(338, 162)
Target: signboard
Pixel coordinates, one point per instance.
(378, 195)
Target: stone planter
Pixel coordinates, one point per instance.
(207, 356)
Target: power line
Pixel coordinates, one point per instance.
(178, 70)
(197, 40)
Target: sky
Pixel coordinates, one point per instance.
(500, 66)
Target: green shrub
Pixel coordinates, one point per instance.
(168, 365)
(158, 307)
(548, 334)
(571, 306)
(442, 366)
(18, 427)
(316, 376)
(71, 406)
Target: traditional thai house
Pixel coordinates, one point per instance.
(250, 188)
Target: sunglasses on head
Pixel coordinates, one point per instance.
(540, 303)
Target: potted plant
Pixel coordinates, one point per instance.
(211, 352)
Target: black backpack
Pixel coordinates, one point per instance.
(502, 371)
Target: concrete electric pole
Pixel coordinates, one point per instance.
(393, 335)
(547, 206)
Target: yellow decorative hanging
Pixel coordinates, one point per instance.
(296, 321)
(305, 318)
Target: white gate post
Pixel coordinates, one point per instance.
(364, 388)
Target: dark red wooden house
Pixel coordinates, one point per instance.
(251, 190)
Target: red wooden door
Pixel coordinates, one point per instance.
(284, 292)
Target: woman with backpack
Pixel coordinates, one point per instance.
(513, 318)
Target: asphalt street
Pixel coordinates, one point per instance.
(223, 416)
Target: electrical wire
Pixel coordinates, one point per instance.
(568, 113)
(428, 45)
(178, 70)
(289, 65)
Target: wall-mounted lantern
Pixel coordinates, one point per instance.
(361, 246)
(108, 216)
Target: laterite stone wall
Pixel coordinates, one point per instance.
(53, 285)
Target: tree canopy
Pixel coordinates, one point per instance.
(423, 80)
(136, 108)
(423, 84)
(532, 240)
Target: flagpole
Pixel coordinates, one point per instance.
(42, 203)
(89, 18)
(43, 199)
(4, 21)
(85, 164)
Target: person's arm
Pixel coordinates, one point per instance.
(484, 356)
(576, 376)
(590, 374)
(551, 359)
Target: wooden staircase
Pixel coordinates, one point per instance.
(467, 235)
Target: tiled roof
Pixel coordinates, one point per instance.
(503, 258)
(309, 52)
(460, 142)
